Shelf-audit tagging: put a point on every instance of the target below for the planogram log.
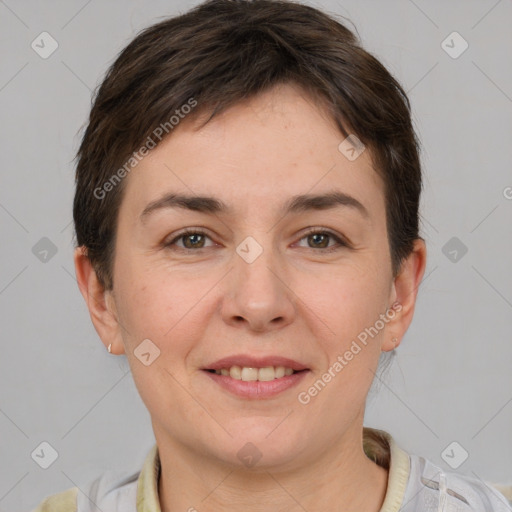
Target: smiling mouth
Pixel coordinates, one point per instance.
(250, 374)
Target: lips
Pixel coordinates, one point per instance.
(247, 361)
(256, 390)
(256, 377)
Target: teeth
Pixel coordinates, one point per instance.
(248, 374)
(235, 372)
(280, 371)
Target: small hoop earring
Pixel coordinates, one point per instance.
(110, 349)
(394, 340)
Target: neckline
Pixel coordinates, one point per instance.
(378, 445)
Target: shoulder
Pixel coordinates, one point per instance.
(64, 501)
(416, 484)
(112, 491)
(432, 488)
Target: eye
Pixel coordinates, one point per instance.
(320, 237)
(193, 239)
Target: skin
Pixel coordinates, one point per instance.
(295, 300)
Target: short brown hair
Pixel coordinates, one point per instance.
(222, 52)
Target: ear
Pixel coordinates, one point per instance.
(100, 302)
(403, 294)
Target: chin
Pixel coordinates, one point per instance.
(262, 447)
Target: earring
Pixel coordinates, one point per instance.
(394, 340)
(110, 349)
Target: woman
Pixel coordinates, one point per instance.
(246, 213)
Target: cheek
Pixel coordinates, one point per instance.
(148, 298)
(165, 307)
(348, 301)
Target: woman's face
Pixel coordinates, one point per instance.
(251, 284)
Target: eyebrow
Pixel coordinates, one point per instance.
(296, 204)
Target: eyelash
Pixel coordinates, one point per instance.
(311, 231)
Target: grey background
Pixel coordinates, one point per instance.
(451, 378)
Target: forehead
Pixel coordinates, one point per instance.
(276, 145)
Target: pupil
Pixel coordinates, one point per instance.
(192, 237)
(315, 238)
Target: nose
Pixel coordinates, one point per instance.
(257, 295)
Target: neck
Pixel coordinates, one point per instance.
(342, 478)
